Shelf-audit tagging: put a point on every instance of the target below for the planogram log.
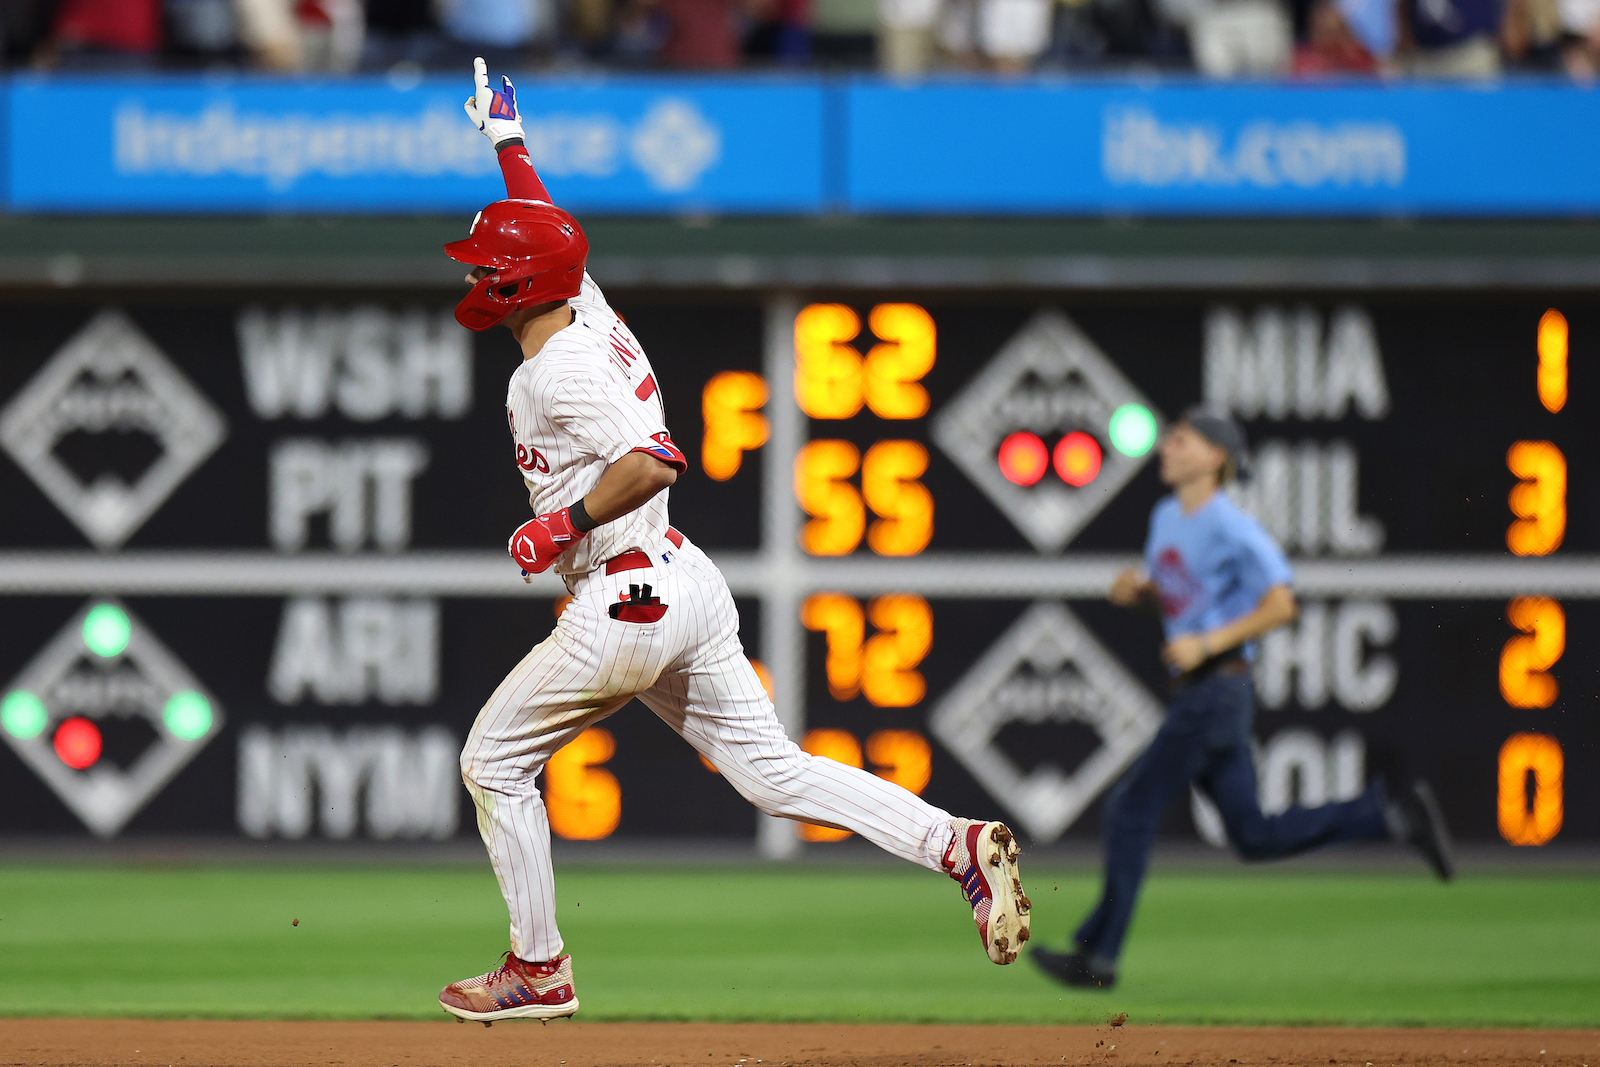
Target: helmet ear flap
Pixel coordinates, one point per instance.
(483, 306)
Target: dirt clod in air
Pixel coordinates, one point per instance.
(1117, 1018)
(294, 922)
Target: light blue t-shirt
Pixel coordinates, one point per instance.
(1211, 567)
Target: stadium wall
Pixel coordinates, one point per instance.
(354, 651)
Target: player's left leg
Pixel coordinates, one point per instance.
(1230, 780)
(714, 700)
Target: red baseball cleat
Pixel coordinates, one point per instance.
(983, 858)
(516, 989)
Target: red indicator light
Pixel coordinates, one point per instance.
(1023, 458)
(78, 743)
(1077, 458)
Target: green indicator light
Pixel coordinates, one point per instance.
(23, 715)
(187, 715)
(106, 630)
(1133, 430)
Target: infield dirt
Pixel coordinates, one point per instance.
(161, 1043)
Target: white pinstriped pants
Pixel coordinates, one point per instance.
(690, 669)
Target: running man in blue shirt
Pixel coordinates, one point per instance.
(1218, 582)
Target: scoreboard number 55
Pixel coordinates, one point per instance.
(833, 380)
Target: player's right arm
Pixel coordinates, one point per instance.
(625, 486)
(619, 427)
(496, 116)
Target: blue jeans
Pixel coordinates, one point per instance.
(1206, 740)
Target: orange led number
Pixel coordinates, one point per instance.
(841, 747)
(1539, 499)
(883, 667)
(583, 799)
(1553, 360)
(1526, 660)
(895, 365)
(1530, 803)
(827, 368)
(889, 675)
(903, 757)
(731, 405)
(838, 517)
(889, 476)
(832, 380)
(889, 484)
(839, 617)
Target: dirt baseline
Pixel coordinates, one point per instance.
(160, 1043)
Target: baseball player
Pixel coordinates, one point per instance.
(650, 615)
(1218, 582)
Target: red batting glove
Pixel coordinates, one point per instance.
(538, 542)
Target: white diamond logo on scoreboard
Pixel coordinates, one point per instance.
(107, 673)
(1047, 668)
(1050, 377)
(110, 378)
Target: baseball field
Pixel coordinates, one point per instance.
(803, 965)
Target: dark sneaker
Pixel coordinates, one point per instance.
(1072, 968)
(1426, 832)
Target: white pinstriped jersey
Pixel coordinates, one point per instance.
(586, 400)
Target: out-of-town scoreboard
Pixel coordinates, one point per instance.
(252, 575)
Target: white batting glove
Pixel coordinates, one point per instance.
(494, 113)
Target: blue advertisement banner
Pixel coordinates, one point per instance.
(808, 145)
(658, 145)
(1196, 149)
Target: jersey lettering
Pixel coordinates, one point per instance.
(530, 460)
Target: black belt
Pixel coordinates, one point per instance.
(1231, 662)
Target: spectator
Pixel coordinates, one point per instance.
(267, 28)
(24, 26)
(1006, 36)
(906, 36)
(1580, 26)
(104, 34)
(1451, 38)
(503, 32)
(1146, 31)
(1331, 46)
(331, 33)
(640, 32)
(1233, 38)
(1376, 24)
(299, 35)
(202, 29)
(781, 30)
(1531, 37)
(702, 34)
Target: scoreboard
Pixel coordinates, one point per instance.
(253, 582)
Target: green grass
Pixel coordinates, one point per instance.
(772, 943)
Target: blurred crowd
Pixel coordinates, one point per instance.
(1217, 38)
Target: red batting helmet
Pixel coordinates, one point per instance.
(536, 250)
